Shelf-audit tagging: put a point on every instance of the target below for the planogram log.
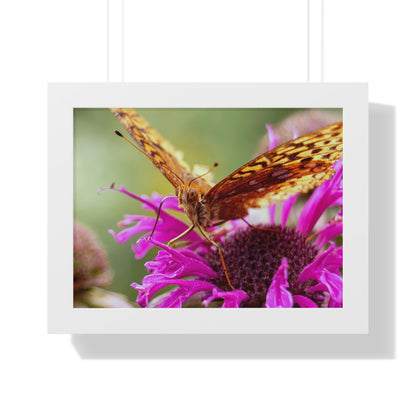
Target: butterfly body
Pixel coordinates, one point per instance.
(193, 204)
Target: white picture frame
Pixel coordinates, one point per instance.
(353, 318)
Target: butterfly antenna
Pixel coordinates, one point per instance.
(158, 212)
(206, 173)
(140, 150)
(128, 141)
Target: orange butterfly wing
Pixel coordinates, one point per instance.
(162, 154)
(295, 166)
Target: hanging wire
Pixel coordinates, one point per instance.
(322, 40)
(307, 48)
(122, 40)
(307, 42)
(108, 40)
(308, 31)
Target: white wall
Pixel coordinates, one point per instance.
(182, 40)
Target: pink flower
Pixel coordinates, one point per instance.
(270, 265)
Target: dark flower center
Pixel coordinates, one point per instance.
(253, 256)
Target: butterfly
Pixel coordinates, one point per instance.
(294, 167)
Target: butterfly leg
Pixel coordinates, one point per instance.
(218, 223)
(158, 212)
(188, 230)
(214, 243)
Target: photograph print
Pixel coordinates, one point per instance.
(208, 208)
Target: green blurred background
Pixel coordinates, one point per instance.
(228, 136)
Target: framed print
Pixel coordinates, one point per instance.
(208, 208)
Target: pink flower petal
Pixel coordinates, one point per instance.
(177, 263)
(232, 299)
(278, 296)
(334, 283)
(324, 196)
(177, 297)
(304, 302)
(330, 231)
(273, 138)
(287, 207)
(272, 212)
(167, 228)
